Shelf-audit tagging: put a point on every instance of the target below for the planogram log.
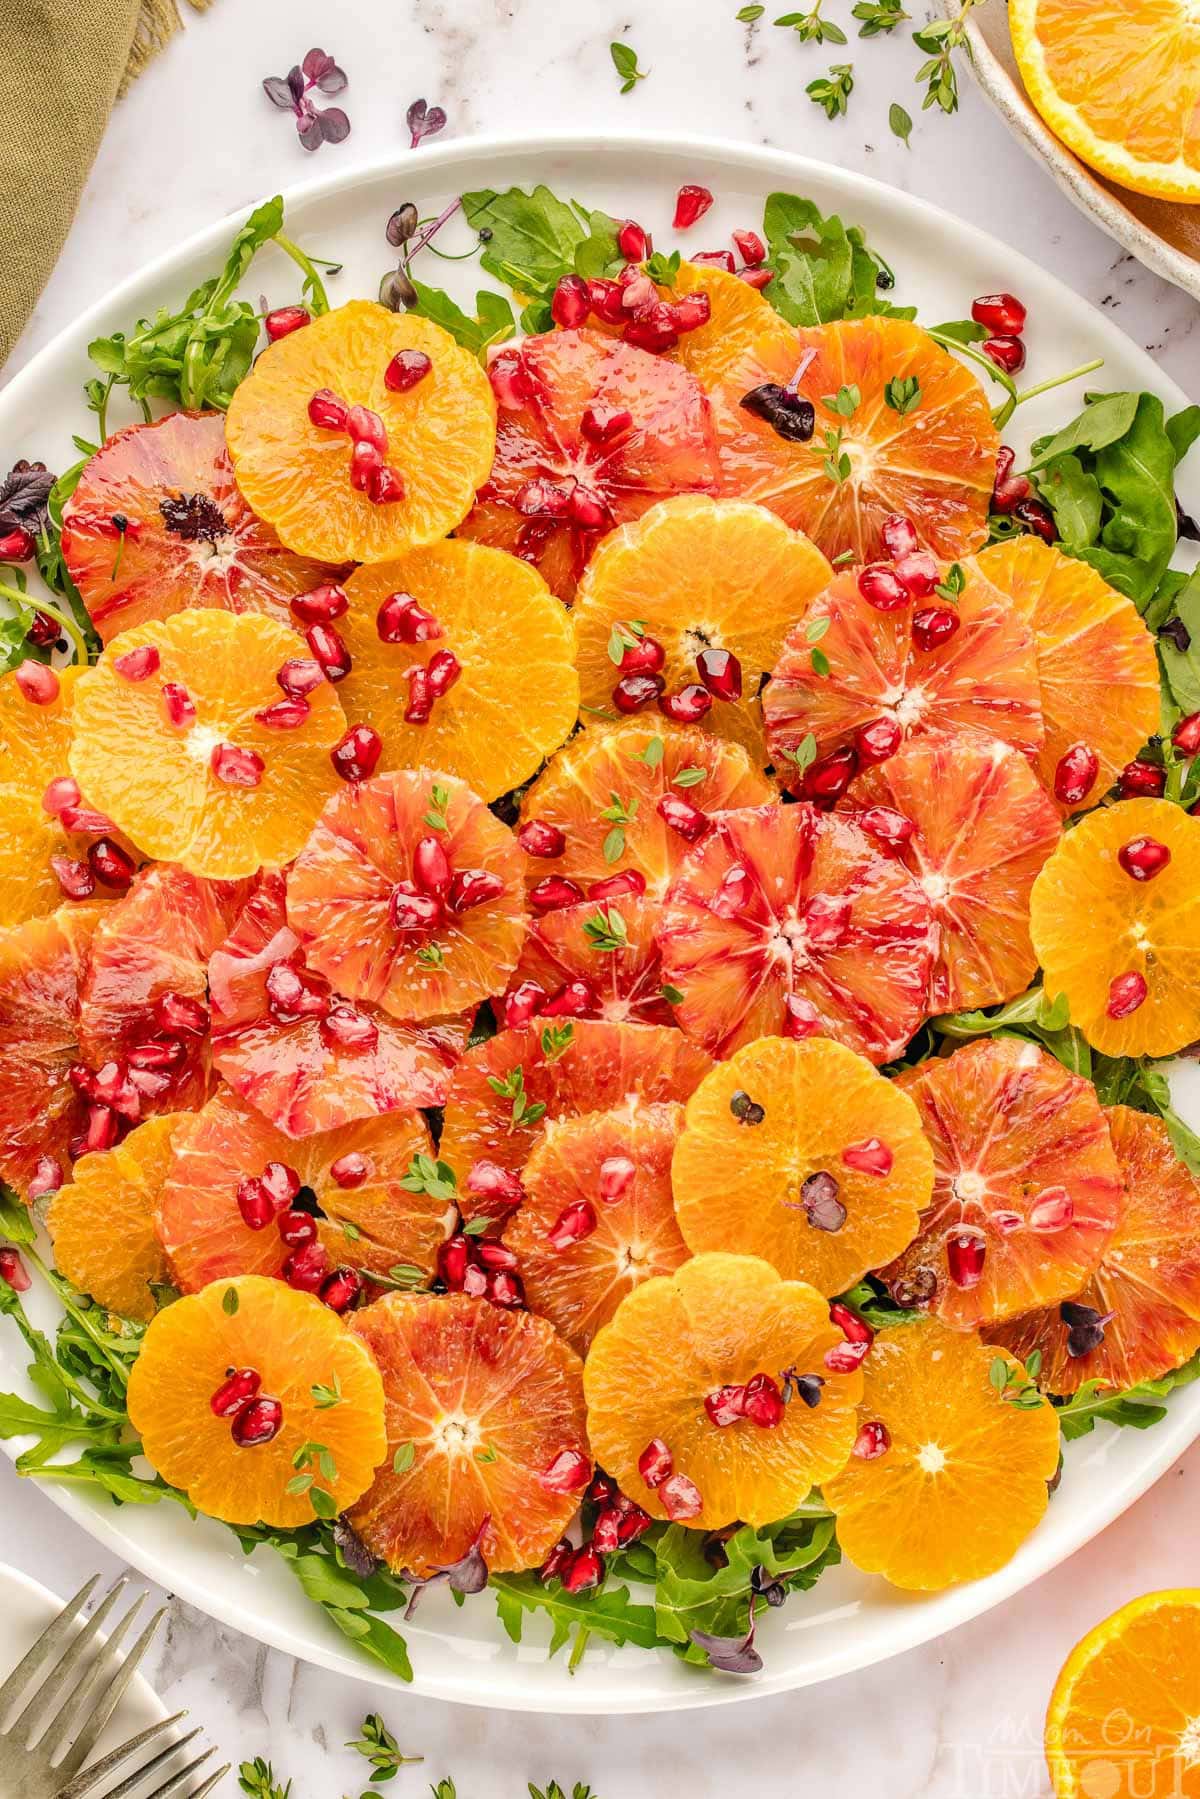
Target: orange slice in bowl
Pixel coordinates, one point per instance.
(102, 1221)
(437, 435)
(409, 895)
(803, 1154)
(595, 960)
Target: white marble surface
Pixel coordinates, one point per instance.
(960, 1719)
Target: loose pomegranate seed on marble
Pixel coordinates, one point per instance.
(405, 370)
(573, 1223)
(284, 715)
(569, 1471)
(329, 649)
(553, 893)
(75, 879)
(1008, 353)
(539, 838)
(401, 619)
(872, 1441)
(721, 673)
(633, 692)
(878, 740)
(474, 887)
(1143, 857)
(342, 1027)
(688, 820)
(139, 664)
(356, 754)
(284, 320)
(327, 411)
(691, 203)
(259, 1421)
(1186, 735)
(239, 1385)
(882, 587)
(299, 676)
(656, 1463)
(1002, 314)
(522, 1004)
(13, 1269)
(38, 683)
(934, 625)
(1141, 780)
(320, 605)
(681, 1498)
(1075, 774)
(966, 1252)
(570, 304)
(688, 706)
(352, 1169)
(110, 864)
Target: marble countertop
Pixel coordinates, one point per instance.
(958, 1719)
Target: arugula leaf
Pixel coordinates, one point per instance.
(606, 1611)
(536, 239)
(1032, 1015)
(1137, 1407)
(691, 1595)
(1181, 668)
(823, 269)
(493, 321)
(350, 1601)
(872, 1301)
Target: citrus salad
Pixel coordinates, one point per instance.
(591, 894)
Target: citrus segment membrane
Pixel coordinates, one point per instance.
(102, 1221)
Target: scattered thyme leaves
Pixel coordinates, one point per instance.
(427, 1176)
(811, 28)
(832, 92)
(625, 62)
(377, 1745)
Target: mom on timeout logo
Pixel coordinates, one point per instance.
(1121, 1759)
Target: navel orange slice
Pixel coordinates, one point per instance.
(738, 316)
(102, 1221)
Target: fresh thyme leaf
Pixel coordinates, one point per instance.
(749, 14)
(811, 28)
(899, 122)
(404, 1458)
(804, 753)
(690, 777)
(476, 1227)
(672, 995)
(258, 1779)
(377, 1744)
(845, 402)
(878, 16)
(940, 40)
(613, 847)
(327, 1397)
(439, 800)
(652, 755)
(606, 930)
(556, 1038)
(832, 92)
(427, 1176)
(952, 583)
(820, 662)
(836, 463)
(664, 270)
(229, 1301)
(903, 394)
(817, 628)
(625, 62)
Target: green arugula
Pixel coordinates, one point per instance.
(1137, 1407)
(690, 1594)
(352, 1602)
(493, 321)
(823, 269)
(534, 239)
(605, 1611)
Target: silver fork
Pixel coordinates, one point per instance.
(77, 1683)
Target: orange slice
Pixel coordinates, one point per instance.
(738, 317)
(934, 465)
(35, 740)
(518, 694)
(299, 1350)
(982, 828)
(1124, 949)
(949, 1475)
(159, 780)
(1026, 1186)
(598, 1217)
(600, 958)
(1096, 664)
(102, 1222)
(788, 921)
(695, 575)
(719, 1321)
(342, 900)
(1147, 1283)
(803, 1154)
(296, 475)
(479, 1403)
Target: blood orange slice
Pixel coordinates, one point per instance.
(517, 696)
(865, 461)
(981, 828)
(604, 792)
(788, 921)
(803, 1154)
(598, 1217)
(157, 524)
(219, 791)
(366, 1218)
(596, 960)
(983, 678)
(710, 1329)
(306, 1058)
(1145, 1293)
(479, 1403)
(293, 1351)
(1096, 664)
(409, 895)
(1026, 1186)
(602, 432)
(502, 1091)
(702, 579)
(436, 436)
(949, 1476)
(102, 1222)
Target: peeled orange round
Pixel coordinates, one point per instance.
(102, 1221)
(606, 953)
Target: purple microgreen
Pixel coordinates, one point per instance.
(314, 125)
(23, 496)
(296, 83)
(353, 1550)
(732, 1655)
(423, 121)
(469, 1574)
(322, 72)
(278, 92)
(402, 224)
(335, 126)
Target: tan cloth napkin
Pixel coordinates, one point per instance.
(62, 65)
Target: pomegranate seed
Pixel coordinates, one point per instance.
(606, 1532)
(822, 1206)
(553, 893)
(1186, 735)
(401, 619)
(111, 1086)
(260, 1421)
(878, 740)
(1053, 1210)
(764, 1403)
(634, 243)
(538, 838)
(237, 767)
(1002, 313)
(86, 821)
(543, 499)
(321, 605)
(1037, 518)
(256, 1205)
(38, 683)
(495, 1256)
(239, 1385)
(632, 692)
(13, 1270)
(570, 305)
(725, 1405)
(405, 370)
(1126, 993)
(588, 511)
(606, 301)
(1143, 857)
(341, 1290)
(385, 486)
(934, 626)
(431, 867)
(101, 1129)
(733, 894)
(327, 411)
(690, 311)
(750, 247)
(61, 793)
(614, 886)
(327, 646)
(721, 673)
(688, 706)
(868, 1157)
(157, 1054)
(47, 1178)
(366, 462)
(1008, 489)
(352, 1169)
(178, 705)
(899, 536)
(1008, 353)
(356, 753)
(290, 996)
(522, 1004)
(441, 672)
(176, 1012)
(475, 1282)
(343, 1027)
(800, 1017)
(757, 278)
(568, 1471)
(885, 825)
(284, 320)
(497, 1185)
(75, 879)
(573, 1223)
(307, 1268)
(617, 1175)
(655, 1463)
(504, 1289)
(507, 376)
(453, 1260)
(715, 259)
(601, 424)
(584, 1570)
(691, 203)
(474, 887)
(283, 715)
(683, 817)
(1075, 774)
(681, 1498)
(844, 1358)
(919, 574)
(280, 1182)
(881, 587)
(109, 863)
(645, 656)
(852, 1327)
(420, 700)
(299, 676)
(872, 1441)
(411, 910)
(366, 427)
(576, 999)
(556, 1561)
(1141, 780)
(653, 330)
(18, 545)
(965, 1254)
(827, 780)
(138, 665)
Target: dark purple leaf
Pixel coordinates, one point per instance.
(308, 129)
(396, 291)
(334, 124)
(295, 81)
(316, 63)
(467, 1575)
(333, 81)
(733, 1655)
(423, 121)
(402, 224)
(278, 92)
(355, 1554)
(23, 495)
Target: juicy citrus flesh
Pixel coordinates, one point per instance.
(205, 549)
(718, 1321)
(934, 465)
(296, 475)
(625, 771)
(1096, 663)
(498, 1085)
(340, 887)
(1119, 85)
(297, 1346)
(299, 1077)
(1148, 1276)
(35, 740)
(156, 779)
(984, 828)
(635, 1237)
(695, 573)
(1124, 1716)
(1012, 1131)
(1092, 923)
(741, 1185)
(982, 679)
(611, 945)
(102, 1221)
(206, 1238)
(963, 1482)
(739, 315)
(517, 697)
(486, 1400)
(667, 448)
(757, 916)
